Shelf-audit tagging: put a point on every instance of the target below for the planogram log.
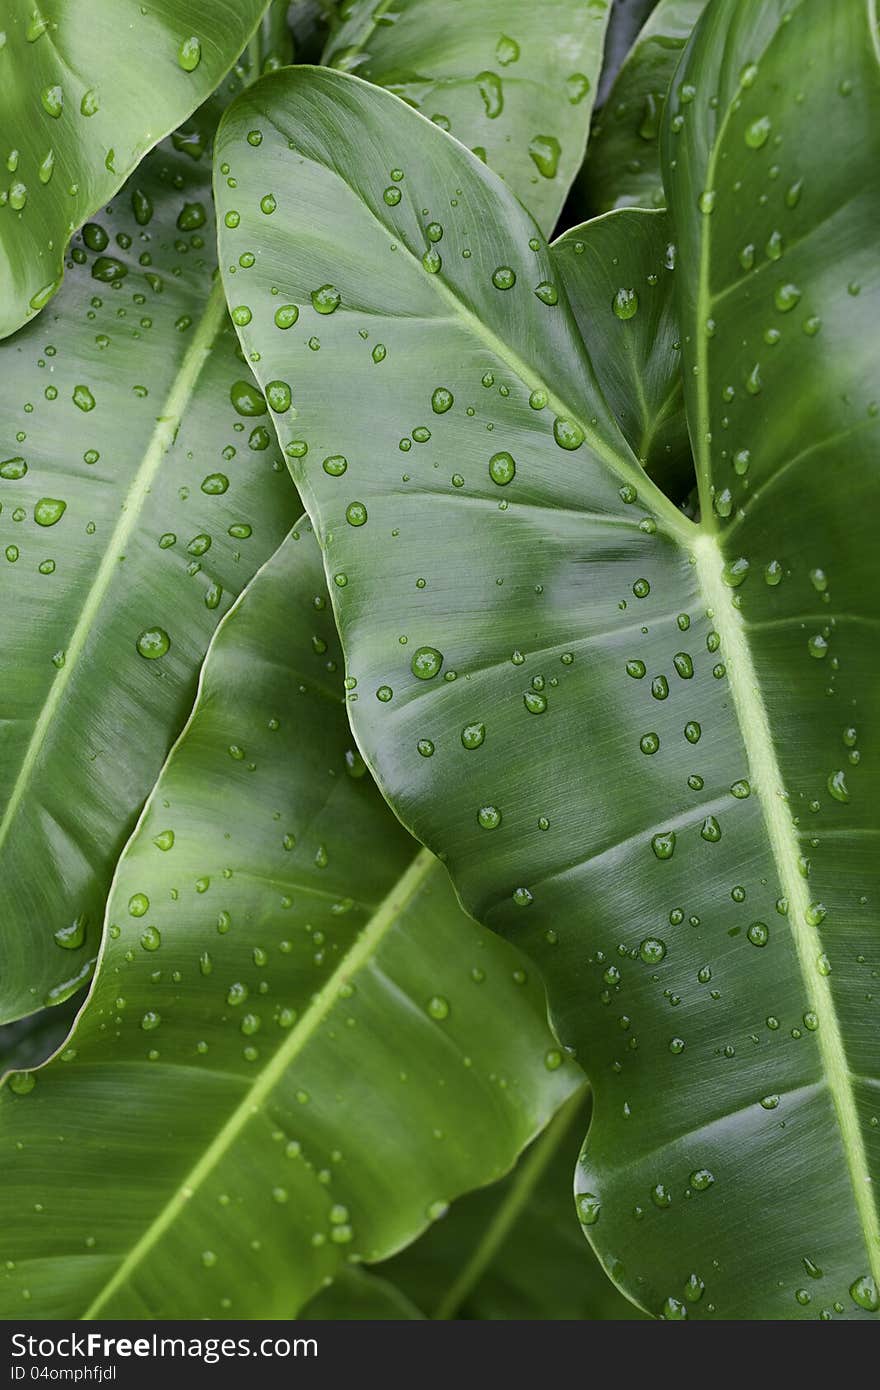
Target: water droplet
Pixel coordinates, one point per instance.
(625, 304)
(863, 1292)
(473, 735)
(547, 293)
(588, 1208)
(735, 572)
(544, 151)
(426, 663)
(711, 830)
(153, 642)
(786, 297)
(83, 398)
(215, 484)
(535, 702)
(522, 897)
(489, 817)
(663, 844)
(757, 133)
(837, 786)
(490, 89)
(649, 743)
(151, 939)
(701, 1179)
(438, 1007)
(502, 468)
(567, 433)
(817, 646)
(189, 54)
(758, 933)
(48, 511)
(247, 399)
(652, 950)
(150, 1020)
(71, 937)
(503, 277)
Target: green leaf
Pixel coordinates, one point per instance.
(89, 86)
(513, 80)
(29, 1041)
(140, 489)
(511, 1251)
(362, 1296)
(659, 805)
(278, 949)
(622, 168)
(624, 262)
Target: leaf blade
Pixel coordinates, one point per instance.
(356, 961)
(491, 76)
(69, 99)
(545, 826)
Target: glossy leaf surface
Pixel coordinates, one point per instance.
(88, 86)
(625, 262)
(140, 488)
(622, 168)
(512, 80)
(638, 772)
(512, 1251)
(298, 1049)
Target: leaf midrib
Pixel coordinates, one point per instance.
(532, 1168)
(624, 465)
(766, 777)
(385, 917)
(161, 440)
(764, 769)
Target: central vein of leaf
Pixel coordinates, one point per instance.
(766, 778)
(162, 438)
(384, 918)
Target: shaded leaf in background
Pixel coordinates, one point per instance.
(513, 80)
(624, 22)
(87, 87)
(28, 1042)
(298, 1049)
(622, 168)
(625, 262)
(659, 805)
(511, 1251)
(140, 489)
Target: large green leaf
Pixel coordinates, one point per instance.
(622, 168)
(655, 766)
(512, 79)
(298, 1048)
(88, 87)
(140, 489)
(511, 1251)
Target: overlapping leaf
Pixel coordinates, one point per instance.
(652, 760)
(89, 86)
(623, 164)
(140, 489)
(512, 1251)
(298, 1049)
(513, 80)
